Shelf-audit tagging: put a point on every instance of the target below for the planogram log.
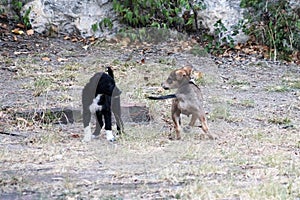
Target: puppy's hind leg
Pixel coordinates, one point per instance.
(116, 109)
(205, 128)
(187, 129)
(86, 124)
(99, 123)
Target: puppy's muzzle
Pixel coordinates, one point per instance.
(165, 86)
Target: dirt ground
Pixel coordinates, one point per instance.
(253, 106)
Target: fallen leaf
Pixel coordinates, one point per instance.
(92, 39)
(3, 16)
(17, 31)
(66, 38)
(237, 47)
(30, 32)
(62, 59)
(47, 59)
(20, 26)
(198, 74)
(75, 135)
(74, 39)
(3, 26)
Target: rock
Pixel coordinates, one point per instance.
(51, 115)
(62, 16)
(228, 11)
(136, 113)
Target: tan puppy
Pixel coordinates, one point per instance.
(188, 101)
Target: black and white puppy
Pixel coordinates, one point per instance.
(101, 97)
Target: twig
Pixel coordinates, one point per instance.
(12, 134)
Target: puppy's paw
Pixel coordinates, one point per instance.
(202, 136)
(209, 136)
(212, 136)
(109, 136)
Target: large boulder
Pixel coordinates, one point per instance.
(65, 16)
(228, 11)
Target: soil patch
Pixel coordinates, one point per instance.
(252, 105)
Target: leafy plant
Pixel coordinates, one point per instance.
(104, 23)
(275, 24)
(17, 7)
(221, 38)
(158, 13)
(41, 85)
(26, 20)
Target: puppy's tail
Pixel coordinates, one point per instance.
(110, 72)
(170, 96)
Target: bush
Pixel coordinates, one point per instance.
(275, 24)
(158, 13)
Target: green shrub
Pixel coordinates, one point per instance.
(17, 7)
(158, 13)
(221, 38)
(275, 24)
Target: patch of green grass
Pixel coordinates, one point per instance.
(258, 136)
(116, 62)
(271, 190)
(41, 85)
(294, 84)
(278, 88)
(206, 80)
(280, 121)
(248, 103)
(72, 67)
(288, 83)
(167, 61)
(198, 51)
(220, 112)
(238, 83)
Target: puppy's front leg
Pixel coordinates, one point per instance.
(87, 112)
(176, 118)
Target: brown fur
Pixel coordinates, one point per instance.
(188, 100)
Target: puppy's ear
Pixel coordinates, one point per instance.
(188, 70)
